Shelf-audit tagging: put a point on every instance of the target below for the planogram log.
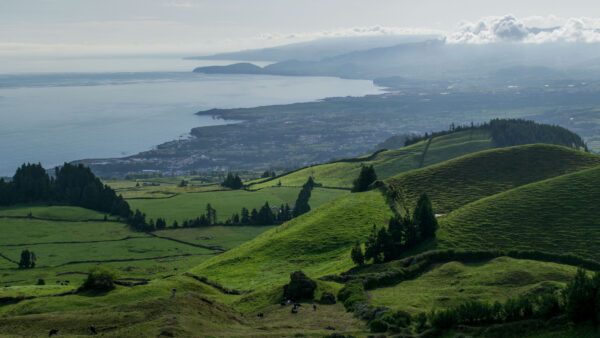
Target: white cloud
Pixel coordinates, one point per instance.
(536, 29)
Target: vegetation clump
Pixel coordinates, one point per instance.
(28, 259)
(73, 185)
(403, 233)
(327, 298)
(99, 279)
(233, 182)
(302, 206)
(300, 287)
(366, 177)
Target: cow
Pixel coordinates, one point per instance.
(52, 332)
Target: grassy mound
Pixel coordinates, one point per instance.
(317, 243)
(390, 162)
(455, 283)
(558, 215)
(462, 180)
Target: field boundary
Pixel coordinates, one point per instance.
(74, 242)
(213, 247)
(62, 219)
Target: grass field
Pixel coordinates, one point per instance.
(456, 182)
(450, 284)
(391, 162)
(317, 242)
(559, 215)
(191, 205)
(67, 248)
(54, 212)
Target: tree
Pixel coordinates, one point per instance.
(300, 287)
(580, 296)
(370, 244)
(366, 177)
(245, 216)
(99, 279)
(425, 217)
(232, 182)
(175, 224)
(28, 259)
(384, 245)
(302, 206)
(357, 254)
(211, 214)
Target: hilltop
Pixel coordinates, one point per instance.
(468, 178)
(429, 149)
(558, 215)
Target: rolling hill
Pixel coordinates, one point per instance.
(558, 215)
(465, 179)
(317, 242)
(388, 163)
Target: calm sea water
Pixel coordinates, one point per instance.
(52, 111)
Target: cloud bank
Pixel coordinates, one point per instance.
(508, 28)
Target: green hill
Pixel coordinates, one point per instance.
(558, 215)
(459, 181)
(317, 242)
(390, 162)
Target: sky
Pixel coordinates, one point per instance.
(194, 27)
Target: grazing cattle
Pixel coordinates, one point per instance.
(297, 304)
(282, 303)
(174, 292)
(330, 328)
(260, 315)
(93, 329)
(314, 307)
(294, 310)
(52, 332)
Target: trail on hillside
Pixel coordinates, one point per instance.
(422, 161)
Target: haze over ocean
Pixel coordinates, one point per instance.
(81, 111)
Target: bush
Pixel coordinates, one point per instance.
(327, 298)
(41, 282)
(99, 279)
(398, 318)
(378, 326)
(351, 294)
(300, 287)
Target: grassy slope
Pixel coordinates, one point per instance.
(149, 310)
(391, 162)
(559, 215)
(454, 283)
(462, 180)
(317, 243)
(191, 205)
(53, 212)
(226, 237)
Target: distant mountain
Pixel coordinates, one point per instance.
(317, 49)
(436, 60)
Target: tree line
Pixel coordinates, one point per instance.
(71, 185)
(513, 132)
(403, 233)
(579, 301)
(265, 215)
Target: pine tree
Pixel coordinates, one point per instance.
(370, 244)
(425, 217)
(357, 254)
(366, 177)
(245, 217)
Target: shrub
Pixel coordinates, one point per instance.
(300, 287)
(327, 298)
(378, 326)
(99, 279)
(351, 294)
(41, 282)
(397, 318)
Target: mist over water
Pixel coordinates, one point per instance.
(63, 116)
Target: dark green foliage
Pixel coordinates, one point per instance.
(268, 174)
(300, 287)
(327, 298)
(378, 326)
(302, 206)
(366, 177)
(99, 279)
(74, 185)
(357, 255)
(580, 295)
(351, 294)
(425, 217)
(398, 318)
(512, 132)
(161, 223)
(232, 182)
(41, 282)
(28, 259)
(371, 246)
